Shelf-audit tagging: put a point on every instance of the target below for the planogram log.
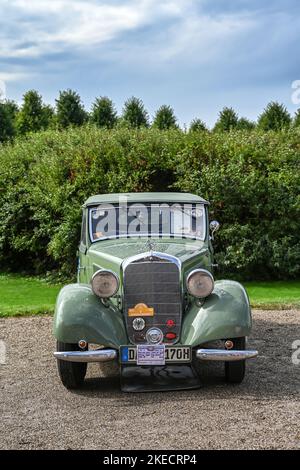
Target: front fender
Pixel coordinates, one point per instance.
(79, 314)
(225, 314)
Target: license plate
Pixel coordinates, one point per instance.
(150, 355)
(160, 354)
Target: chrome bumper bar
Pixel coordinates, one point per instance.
(105, 355)
(224, 355)
(99, 355)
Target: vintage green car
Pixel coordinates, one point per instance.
(146, 296)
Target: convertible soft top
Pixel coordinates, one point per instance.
(144, 197)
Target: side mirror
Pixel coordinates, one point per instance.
(214, 227)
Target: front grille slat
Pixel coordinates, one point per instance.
(155, 283)
(159, 288)
(152, 278)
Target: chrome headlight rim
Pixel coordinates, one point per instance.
(101, 272)
(206, 273)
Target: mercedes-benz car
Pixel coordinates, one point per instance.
(146, 296)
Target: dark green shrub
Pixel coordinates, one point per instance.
(33, 115)
(104, 113)
(7, 129)
(274, 118)
(228, 120)
(245, 125)
(251, 179)
(12, 108)
(69, 109)
(165, 118)
(297, 118)
(134, 113)
(197, 125)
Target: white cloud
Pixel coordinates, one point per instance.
(45, 27)
(189, 52)
(194, 38)
(33, 30)
(52, 26)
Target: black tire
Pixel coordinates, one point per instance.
(72, 374)
(235, 371)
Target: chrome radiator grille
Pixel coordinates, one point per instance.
(155, 283)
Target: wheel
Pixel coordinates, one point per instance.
(71, 373)
(235, 371)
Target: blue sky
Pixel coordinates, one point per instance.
(196, 55)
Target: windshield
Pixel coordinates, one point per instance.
(132, 220)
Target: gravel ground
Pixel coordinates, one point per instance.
(261, 413)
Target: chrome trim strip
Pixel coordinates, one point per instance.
(148, 254)
(100, 355)
(143, 201)
(224, 355)
(147, 235)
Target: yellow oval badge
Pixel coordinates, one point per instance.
(141, 310)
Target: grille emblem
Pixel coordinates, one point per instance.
(150, 245)
(138, 324)
(141, 310)
(154, 336)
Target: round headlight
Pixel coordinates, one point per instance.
(200, 283)
(105, 284)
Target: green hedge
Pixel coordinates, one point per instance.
(251, 178)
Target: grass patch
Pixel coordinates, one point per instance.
(274, 294)
(24, 295)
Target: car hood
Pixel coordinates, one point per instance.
(111, 253)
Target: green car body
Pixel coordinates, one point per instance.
(82, 315)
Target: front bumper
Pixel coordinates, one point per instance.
(224, 355)
(106, 355)
(99, 355)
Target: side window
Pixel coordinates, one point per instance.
(83, 228)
